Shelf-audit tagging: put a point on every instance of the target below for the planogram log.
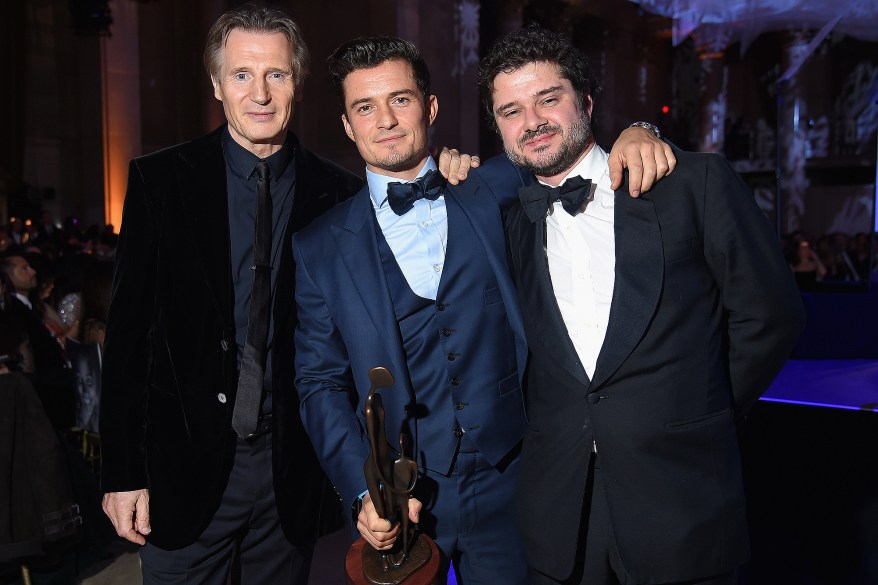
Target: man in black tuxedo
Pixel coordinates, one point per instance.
(653, 323)
(176, 476)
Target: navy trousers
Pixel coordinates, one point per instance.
(244, 542)
(471, 516)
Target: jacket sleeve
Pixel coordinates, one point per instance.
(127, 349)
(326, 386)
(763, 306)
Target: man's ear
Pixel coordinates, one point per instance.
(216, 88)
(589, 104)
(432, 109)
(347, 127)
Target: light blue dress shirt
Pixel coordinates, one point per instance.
(417, 239)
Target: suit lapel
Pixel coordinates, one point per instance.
(203, 191)
(314, 192)
(639, 279)
(358, 249)
(550, 330)
(484, 217)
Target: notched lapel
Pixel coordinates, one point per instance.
(482, 211)
(639, 280)
(201, 174)
(358, 248)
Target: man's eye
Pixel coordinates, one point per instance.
(364, 109)
(240, 76)
(510, 113)
(550, 101)
(277, 75)
(402, 101)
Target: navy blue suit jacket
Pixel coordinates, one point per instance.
(347, 326)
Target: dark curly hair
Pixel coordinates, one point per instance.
(368, 52)
(535, 44)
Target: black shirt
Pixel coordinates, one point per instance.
(241, 180)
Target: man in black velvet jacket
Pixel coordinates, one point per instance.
(175, 475)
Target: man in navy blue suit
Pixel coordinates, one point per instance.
(411, 274)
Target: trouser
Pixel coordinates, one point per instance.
(599, 563)
(471, 515)
(244, 542)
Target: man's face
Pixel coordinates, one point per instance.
(257, 89)
(542, 124)
(21, 275)
(386, 117)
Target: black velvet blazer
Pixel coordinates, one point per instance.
(169, 372)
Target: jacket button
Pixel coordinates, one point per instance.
(455, 381)
(458, 432)
(593, 398)
(221, 397)
(225, 345)
(446, 332)
(459, 405)
(441, 306)
(451, 357)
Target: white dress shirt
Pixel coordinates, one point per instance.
(418, 239)
(582, 259)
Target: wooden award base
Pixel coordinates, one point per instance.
(428, 574)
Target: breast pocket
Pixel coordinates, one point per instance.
(493, 296)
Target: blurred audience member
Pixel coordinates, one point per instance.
(52, 376)
(805, 263)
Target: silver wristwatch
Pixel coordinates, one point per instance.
(647, 126)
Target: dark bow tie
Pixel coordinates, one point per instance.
(402, 196)
(538, 198)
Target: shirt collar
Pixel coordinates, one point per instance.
(378, 183)
(242, 162)
(24, 300)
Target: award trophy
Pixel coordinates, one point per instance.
(414, 558)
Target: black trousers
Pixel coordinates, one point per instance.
(598, 561)
(244, 542)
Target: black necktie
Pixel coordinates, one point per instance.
(537, 198)
(251, 377)
(402, 196)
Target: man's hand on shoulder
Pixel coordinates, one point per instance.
(129, 513)
(647, 158)
(455, 166)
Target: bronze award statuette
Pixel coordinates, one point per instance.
(414, 558)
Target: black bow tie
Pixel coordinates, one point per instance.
(402, 196)
(538, 198)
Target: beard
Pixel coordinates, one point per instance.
(398, 162)
(574, 140)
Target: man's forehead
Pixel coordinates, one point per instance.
(246, 44)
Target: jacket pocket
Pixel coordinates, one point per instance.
(700, 421)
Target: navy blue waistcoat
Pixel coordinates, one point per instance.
(460, 350)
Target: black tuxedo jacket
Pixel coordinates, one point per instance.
(170, 372)
(704, 313)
